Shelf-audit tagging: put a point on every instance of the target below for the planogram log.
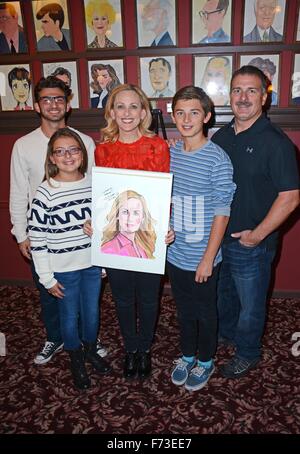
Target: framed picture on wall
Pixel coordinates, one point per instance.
(213, 74)
(52, 27)
(269, 65)
(17, 93)
(104, 76)
(211, 21)
(156, 23)
(67, 72)
(295, 82)
(103, 22)
(12, 36)
(298, 25)
(158, 76)
(264, 21)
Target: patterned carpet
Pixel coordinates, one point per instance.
(41, 399)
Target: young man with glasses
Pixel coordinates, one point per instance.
(266, 175)
(212, 15)
(27, 172)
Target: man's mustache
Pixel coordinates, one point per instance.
(244, 104)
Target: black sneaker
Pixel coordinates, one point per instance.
(49, 349)
(238, 367)
(101, 350)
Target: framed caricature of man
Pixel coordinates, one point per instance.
(211, 21)
(264, 21)
(67, 72)
(156, 23)
(52, 27)
(12, 35)
(158, 76)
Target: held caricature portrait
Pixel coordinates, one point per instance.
(130, 218)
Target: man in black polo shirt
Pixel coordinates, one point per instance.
(266, 175)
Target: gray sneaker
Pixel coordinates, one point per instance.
(181, 372)
(238, 367)
(49, 349)
(101, 350)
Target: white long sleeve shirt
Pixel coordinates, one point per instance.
(58, 243)
(27, 172)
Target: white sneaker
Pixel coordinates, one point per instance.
(49, 349)
(101, 350)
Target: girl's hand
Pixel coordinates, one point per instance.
(56, 290)
(170, 237)
(87, 228)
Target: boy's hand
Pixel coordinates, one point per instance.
(173, 141)
(170, 237)
(87, 228)
(56, 290)
(203, 271)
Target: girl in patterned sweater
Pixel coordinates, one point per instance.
(61, 251)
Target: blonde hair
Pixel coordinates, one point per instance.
(101, 7)
(111, 132)
(145, 237)
(51, 170)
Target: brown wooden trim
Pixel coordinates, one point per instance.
(93, 119)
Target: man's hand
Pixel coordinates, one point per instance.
(24, 247)
(246, 238)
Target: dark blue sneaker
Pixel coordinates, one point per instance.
(198, 377)
(181, 372)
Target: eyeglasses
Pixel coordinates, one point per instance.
(5, 18)
(47, 100)
(60, 152)
(205, 14)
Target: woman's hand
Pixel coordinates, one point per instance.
(87, 228)
(56, 290)
(204, 271)
(170, 237)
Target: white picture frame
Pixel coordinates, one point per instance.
(108, 186)
(162, 82)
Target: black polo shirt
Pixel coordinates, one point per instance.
(264, 163)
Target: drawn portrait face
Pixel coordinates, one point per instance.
(151, 16)
(100, 24)
(103, 78)
(131, 215)
(265, 13)
(212, 17)
(49, 27)
(216, 80)
(8, 23)
(159, 75)
(20, 90)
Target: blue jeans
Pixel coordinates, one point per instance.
(242, 291)
(82, 290)
(49, 310)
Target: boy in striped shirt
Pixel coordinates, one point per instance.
(202, 193)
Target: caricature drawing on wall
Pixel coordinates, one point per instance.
(17, 94)
(130, 230)
(67, 72)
